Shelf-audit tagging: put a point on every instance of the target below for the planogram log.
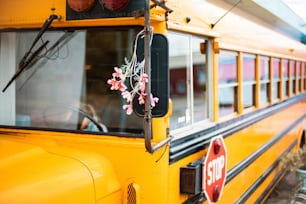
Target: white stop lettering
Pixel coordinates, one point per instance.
(214, 169)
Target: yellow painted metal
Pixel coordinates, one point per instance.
(239, 146)
(29, 13)
(215, 91)
(184, 9)
(107, 165)
(41, 171)
(243, 143)
(32, 14)
(78, 167)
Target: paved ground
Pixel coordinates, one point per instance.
(283, 193)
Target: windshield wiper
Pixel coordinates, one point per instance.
(30, 56)
(60, 42)
(51, 51)
(24, 65)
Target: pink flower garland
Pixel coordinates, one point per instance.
(117, 83)
(137, 78)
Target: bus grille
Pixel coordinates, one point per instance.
(133, 194)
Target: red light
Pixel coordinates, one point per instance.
(81, 5)
(114, 5)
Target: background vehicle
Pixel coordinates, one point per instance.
(244, 81)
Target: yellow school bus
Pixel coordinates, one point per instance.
(117, 101)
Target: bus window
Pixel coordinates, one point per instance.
(298, 77)
(276, 79)
(291, 77)
(302, 77)
(228, 86)
(199, 81)
(45, 98)
(285, 78)
(248, 80)
(264, 79)
(187, 80)
(179, 64)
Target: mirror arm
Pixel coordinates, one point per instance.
(147, 66)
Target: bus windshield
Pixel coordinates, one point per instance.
(65, 85)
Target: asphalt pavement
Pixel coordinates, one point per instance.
(284, 191)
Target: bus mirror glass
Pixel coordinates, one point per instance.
(159, 74)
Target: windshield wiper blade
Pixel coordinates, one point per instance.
(51, 51)
(24, 65)
(60, 42)
(28, 57)
(40, 33)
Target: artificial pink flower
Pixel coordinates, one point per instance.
(142, 87)
(127, 95)
(128, 108)
(144, 78)
(142, 82)
(118, 73)
(116, 85)
(142, 98)
(154, 100)
(122, 87)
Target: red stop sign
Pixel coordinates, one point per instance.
(214, 169)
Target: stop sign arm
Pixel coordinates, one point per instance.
(214, 169)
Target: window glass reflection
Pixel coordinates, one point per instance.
(264, 79)
(227, 82)
(276, 78)
(187, 80)
(249, 82)
(66, 85)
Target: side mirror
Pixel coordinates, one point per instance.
(159, 74)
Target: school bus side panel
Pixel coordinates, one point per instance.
(104, 168)
(29, 174)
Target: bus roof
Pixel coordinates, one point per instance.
(233, 25)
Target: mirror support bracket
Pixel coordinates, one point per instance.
(147, 66)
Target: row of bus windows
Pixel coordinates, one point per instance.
(278, 78)
(244, 80)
